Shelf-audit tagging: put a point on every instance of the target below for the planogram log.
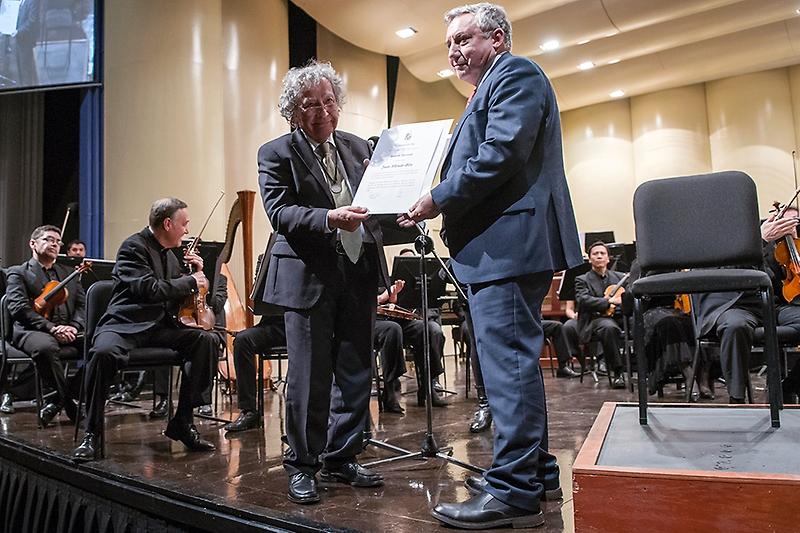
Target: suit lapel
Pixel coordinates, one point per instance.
(37, 276)
(302, 148)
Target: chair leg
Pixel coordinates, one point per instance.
(773, 363)
(550, 351)
(38, 391)
(260, 389)
(641, 363)
(693, 374)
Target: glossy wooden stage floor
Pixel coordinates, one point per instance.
(245, 472)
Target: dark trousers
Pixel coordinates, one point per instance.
(506, 315)
(557, 333)
(247, 343)
(609, 333)
(413, 331)
(389, 343)
(735, 327)
(109, 354)
(330, 371)
(45, 351)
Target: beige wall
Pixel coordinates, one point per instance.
(747, 122)
(163, 113)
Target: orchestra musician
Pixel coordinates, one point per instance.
(76, 248)
(148, 288)
(503, 178)
(323, 270)
(267, 334)
(594, 318)
(733, 317)
(43, 338)
(388, 340)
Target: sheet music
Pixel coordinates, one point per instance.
(402, 167)
(9, 11)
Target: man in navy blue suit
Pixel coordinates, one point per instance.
(503, 182)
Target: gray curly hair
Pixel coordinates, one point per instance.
(488, 18)
(300, 79)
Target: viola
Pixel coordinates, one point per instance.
(55, 293)
(614, 290)
(788, 257)
(683, 303)
(195, 312)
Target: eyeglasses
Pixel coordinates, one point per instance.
(52, 240)
(316, 107)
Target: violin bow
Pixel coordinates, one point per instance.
(193, 245)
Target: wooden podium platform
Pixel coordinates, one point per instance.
(692, 468)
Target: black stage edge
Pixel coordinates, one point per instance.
(43, 491)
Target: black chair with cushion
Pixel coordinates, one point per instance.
(97, 299)
(11, 356)
(699, 223)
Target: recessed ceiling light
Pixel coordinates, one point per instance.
(446, 73)
(552, 44)
(619, 93)
(586, 65)
(585, 41)
(405, 33)
(614, 61)
(797, 11)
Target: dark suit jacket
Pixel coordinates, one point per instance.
(25, 283)
(504, 195)
(297, 199)
(146, 289)
(589, 299)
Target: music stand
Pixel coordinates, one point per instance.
(429, 448)
(407, 269)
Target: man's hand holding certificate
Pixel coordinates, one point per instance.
(402, 167)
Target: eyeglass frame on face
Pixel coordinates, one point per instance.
(52, 240)
(316, 107)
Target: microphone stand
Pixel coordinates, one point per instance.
(429, 447)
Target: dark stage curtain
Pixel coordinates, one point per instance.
(21, 148)
(32, 503)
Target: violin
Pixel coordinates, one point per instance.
(55, 293)
(195, 312)
(395, 311)
(788, 257)
(614, 290)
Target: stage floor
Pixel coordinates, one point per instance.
(245, 472)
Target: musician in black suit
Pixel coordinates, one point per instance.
(43, 339)
(148, 288)
(323, 270)
(593, 306)
(733, 316)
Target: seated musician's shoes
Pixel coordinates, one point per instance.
(618, 382)
(88, 449)
(602, 369)
(735, 400)
(7, 404)
(482, 419)
(303, 488)
(390, 402)
(188, 435)
(436, 399)
(567, 372)
(48, 413)
(246, 420)
(352, 474)
(790, 392)
(437, 386)
(160, 410)
(205, 410)
(484, 511)
(477, 484)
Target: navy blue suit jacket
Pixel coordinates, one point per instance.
(504, 196)
(297, 198)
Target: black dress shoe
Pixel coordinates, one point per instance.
(735, 400)
(160, 410)
(352, 474)
(390, 402)
(477, 484)
(303, 488)
(437, 400)
(567, 372)
(7, 404)
(88, 449)
(48, 413)
(205, 410)
(484, 511)
(790, 395)
(481, 420)
(246, 420)
(437, 386)
(618, 382)
(188, 435)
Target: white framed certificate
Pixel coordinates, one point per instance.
(402, 167)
